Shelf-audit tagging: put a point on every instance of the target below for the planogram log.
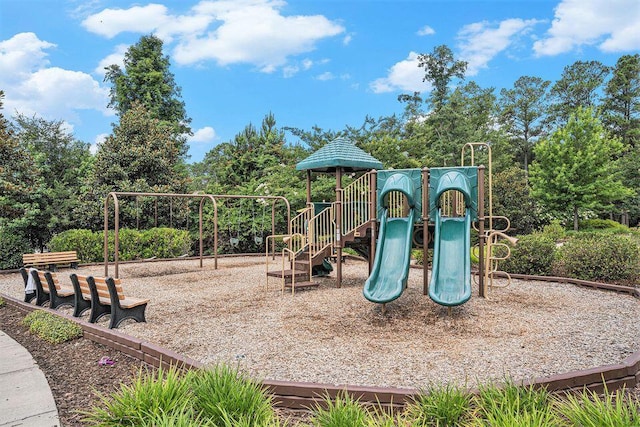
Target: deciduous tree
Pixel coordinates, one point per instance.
(574, 170)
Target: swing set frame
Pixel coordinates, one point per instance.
(115, 195)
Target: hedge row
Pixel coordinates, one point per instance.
(133, 244)
(613, 258)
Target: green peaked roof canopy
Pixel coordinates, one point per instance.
(339, 153)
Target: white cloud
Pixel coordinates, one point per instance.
(117, 58)
(139, 19)
(347, 39)
(205, 134)
(327, 75)
(99, 139)
(403, 76)
(33, 87)
(290, 71)
(225, 31)
(426, 31)
(611, 25)
(20, 56)
(480, 42)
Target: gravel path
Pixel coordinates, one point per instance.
(330, 335)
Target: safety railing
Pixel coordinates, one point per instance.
(322, 232)
(356, 199)
(300, 222)
(293, 247)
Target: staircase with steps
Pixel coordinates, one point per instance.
(316, 239)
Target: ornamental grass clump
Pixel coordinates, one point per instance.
(225, 396)
(344, 410)
(440, 405)
(51, 328)
(163, 395)
(591, 409)
(510, 405)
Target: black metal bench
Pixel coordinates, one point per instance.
(106, 296)
(53, 291)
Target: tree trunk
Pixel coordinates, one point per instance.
(575, 218)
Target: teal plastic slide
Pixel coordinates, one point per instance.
(391, 264)
(390, 271)
(451, 272)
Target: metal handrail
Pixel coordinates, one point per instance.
(295, 242)
(300, 221)
(322, 232)
(356, 200)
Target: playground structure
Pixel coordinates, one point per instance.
(384, 214)
(202, 198)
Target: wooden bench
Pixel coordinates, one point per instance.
(48, 288)
(106, 296)
(51, 260)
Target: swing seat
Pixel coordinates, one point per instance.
(234, 241)
(258, 240)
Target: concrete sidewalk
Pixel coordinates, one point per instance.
(25, 395)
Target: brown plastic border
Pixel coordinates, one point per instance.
(302, 395)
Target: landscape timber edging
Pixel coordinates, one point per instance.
(303, 395)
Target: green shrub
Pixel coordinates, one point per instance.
(132, 244)
(600, 224)
(605, 257)
(533, 254)
(441, 406)
(2, 302)
(554, 230)
(164, 243)
(12, 245)
(224, 393)
(51, 328)
(129, 244)
(86, 243)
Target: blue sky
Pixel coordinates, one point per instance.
(309, 62)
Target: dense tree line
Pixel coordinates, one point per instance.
(562, 150)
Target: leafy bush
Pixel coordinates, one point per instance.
(2, 302)
(129, 244)
(554, 230)
(600, 257)
(533, 254)
(164, 243)
(86, 243)
(133, 244)
(12, 245)
(50, 327)
(600, 224)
